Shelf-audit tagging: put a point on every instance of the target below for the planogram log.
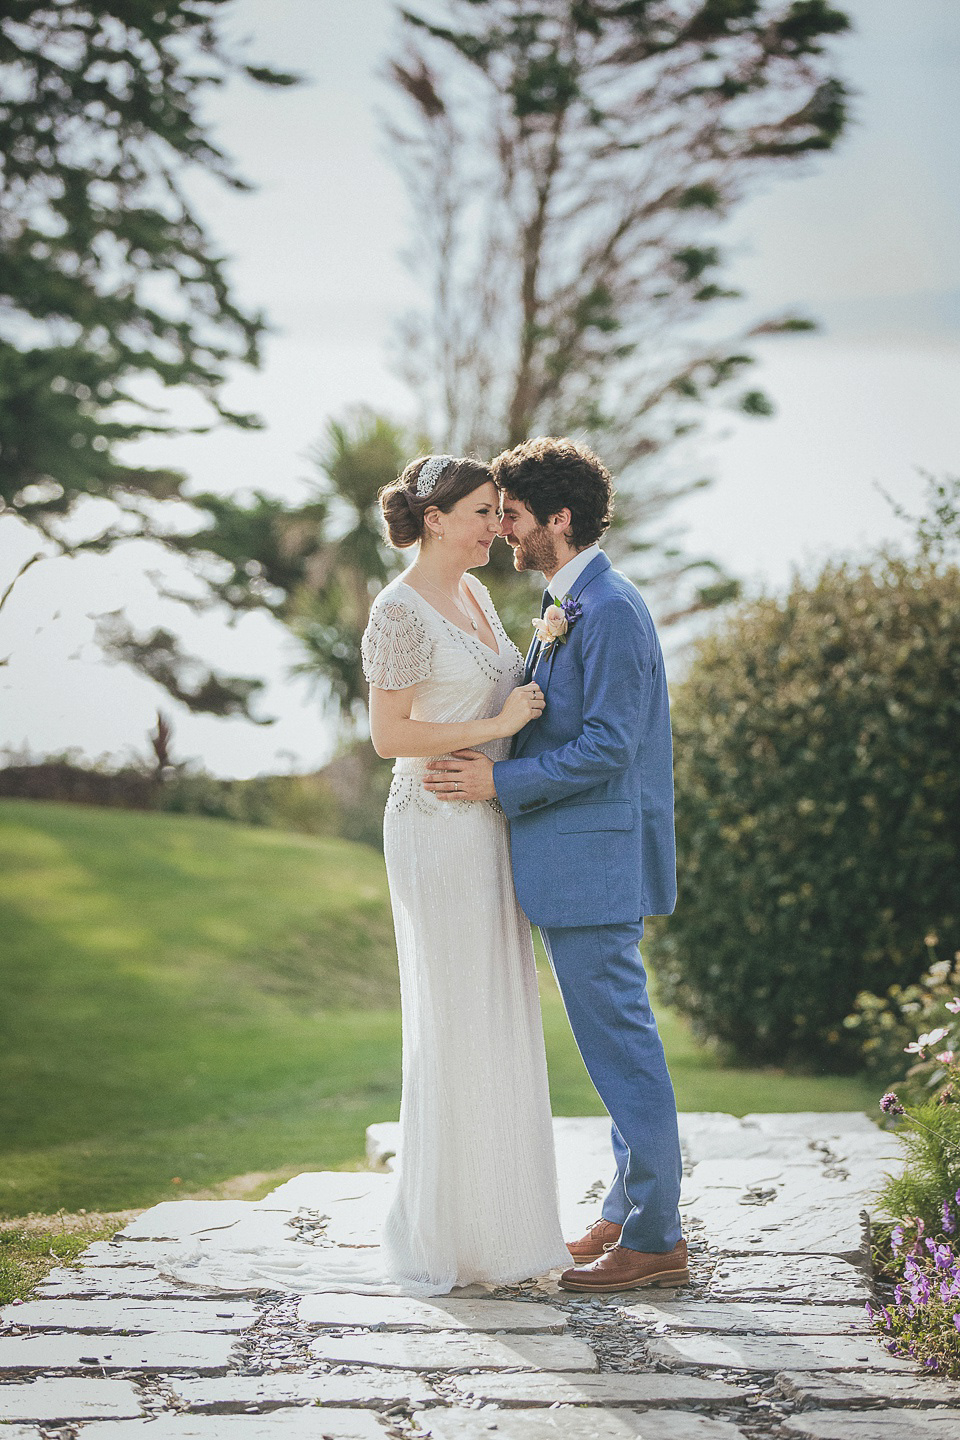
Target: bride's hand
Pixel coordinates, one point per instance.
(523, 705)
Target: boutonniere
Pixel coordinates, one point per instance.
(552, 628)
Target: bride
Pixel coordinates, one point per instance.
(476, 1189)
(476, 1197)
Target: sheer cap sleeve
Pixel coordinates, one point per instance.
(396, 650)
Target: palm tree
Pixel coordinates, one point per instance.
(350, 560)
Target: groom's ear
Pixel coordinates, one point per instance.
(561, 521)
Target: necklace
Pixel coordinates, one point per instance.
(465, 613)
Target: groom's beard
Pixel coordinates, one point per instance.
(536, 551)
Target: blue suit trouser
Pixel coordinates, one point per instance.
(604, 986)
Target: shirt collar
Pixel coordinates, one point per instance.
(568, 575)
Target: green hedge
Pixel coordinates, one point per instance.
(346, 799)
(818, 808)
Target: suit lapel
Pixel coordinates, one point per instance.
(544, 669)
(539, 667)
(530, 661)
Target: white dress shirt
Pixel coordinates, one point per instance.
(568, 575)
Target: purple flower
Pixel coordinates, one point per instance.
(571, 608)
(957, 1198)
(956, 1320)
(930, 1363)
(920, 1290)
(898, 1294)
(869, 1309)
(944, 1291)
(949, 1224)
(896, 1236)
(890, 1105)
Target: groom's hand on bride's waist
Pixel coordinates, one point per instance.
(464, 775)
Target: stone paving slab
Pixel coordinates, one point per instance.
(179, 1219)
(765, 1204)
(113, 1253)
(134, 1281)
(354, 1203)
(892, 1424)
(382, 1143)
(381, 1312)
(823, 1389)
(610, 1388)
(172, 1350)
(294, 1424)
(21, 1432)
(807, 1279)
(234, 1224)
(52, 1401)
(574, 1422)
(144, 1316)
(735, 1318)
(814, 1124)
(366, 1387)
(466, 1351)
(762, 1352)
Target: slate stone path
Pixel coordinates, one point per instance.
(769, 1340)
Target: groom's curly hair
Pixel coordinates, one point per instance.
(549, 475)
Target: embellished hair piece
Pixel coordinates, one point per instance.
(430, 473)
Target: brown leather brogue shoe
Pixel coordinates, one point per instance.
(602, 1236)
(621, 1269)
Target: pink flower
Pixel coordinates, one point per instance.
(932, 1037)
(946, 1057)
(954, 1005)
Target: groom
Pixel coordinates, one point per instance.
(588, 791)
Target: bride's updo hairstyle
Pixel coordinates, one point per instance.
(406, 500)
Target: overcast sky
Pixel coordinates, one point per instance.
(866, 239)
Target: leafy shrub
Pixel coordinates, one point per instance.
(915, 1257)
(888, 1028)
(818, 807)
(285, 802)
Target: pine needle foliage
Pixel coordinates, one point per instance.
(111, 291)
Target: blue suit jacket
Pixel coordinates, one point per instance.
(589, 788)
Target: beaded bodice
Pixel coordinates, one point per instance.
(457, 677)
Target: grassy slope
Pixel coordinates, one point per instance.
(186, 1000)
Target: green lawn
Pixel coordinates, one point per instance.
(186, 1000)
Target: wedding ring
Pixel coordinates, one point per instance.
(456, 784)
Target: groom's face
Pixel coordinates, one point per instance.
(534, 547)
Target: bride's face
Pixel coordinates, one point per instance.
(471, 527)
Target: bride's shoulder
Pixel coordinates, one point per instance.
(395, 598)
(396, 648)
(479, 590)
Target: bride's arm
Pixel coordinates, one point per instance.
(394, 734)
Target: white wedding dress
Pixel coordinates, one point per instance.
(476, 1191)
